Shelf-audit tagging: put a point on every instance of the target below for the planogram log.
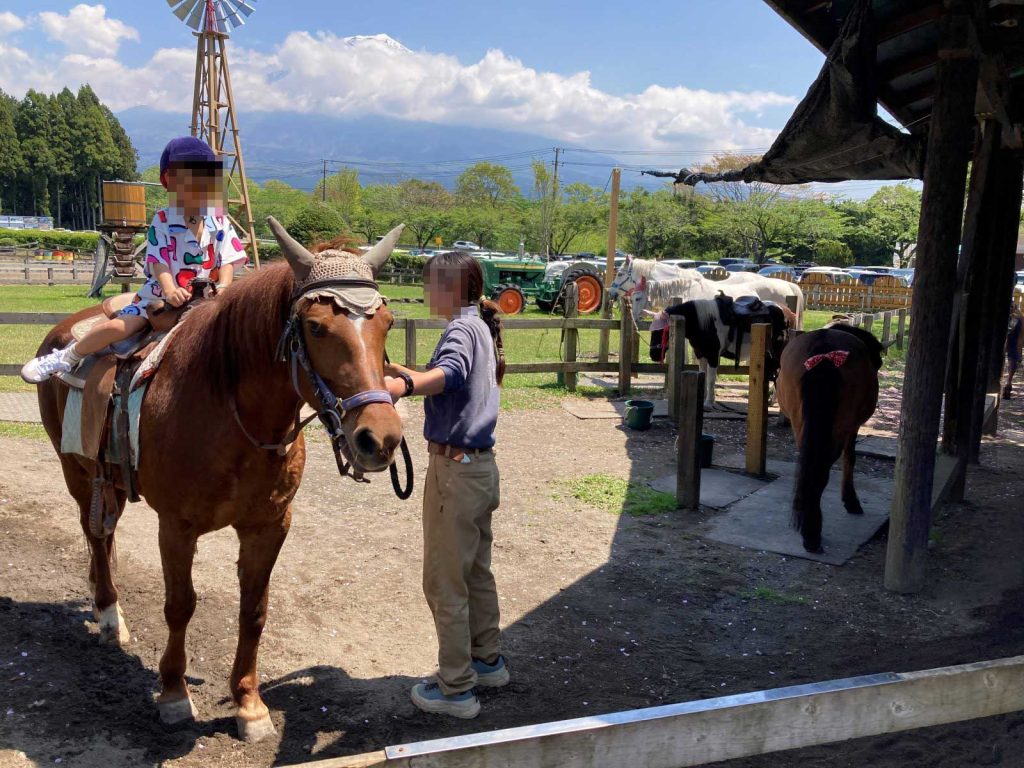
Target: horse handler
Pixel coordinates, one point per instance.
(462, 396)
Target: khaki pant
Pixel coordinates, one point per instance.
(458, 500)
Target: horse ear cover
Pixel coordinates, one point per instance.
(379, 254)
(299, 259)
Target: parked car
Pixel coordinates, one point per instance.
(741, 266)
(1020, 278)
(865, 276)
(775, 270)
(465, 245)
(681, 263)
(711, 271)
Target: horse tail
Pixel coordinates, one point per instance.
(819, 402)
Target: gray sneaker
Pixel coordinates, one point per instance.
(39, 369)
(491, 675)
(430, 698)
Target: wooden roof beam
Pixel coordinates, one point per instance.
(907, 65)
(900, 25)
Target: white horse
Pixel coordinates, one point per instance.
(650, 285)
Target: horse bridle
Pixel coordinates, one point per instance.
(291, 349)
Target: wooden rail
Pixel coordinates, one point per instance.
(699, 732)
(855, 297)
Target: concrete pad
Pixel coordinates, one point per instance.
(642, 381)
(609, 409)
(877, 447)
(718, 488)
(762, 520)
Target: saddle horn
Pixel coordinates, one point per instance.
(379, 254)
(299, 259)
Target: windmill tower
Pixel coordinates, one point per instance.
(213, 103)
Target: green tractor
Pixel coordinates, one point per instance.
(511, 281)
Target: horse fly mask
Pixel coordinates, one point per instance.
(344, 279)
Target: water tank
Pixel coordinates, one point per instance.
(124, 204)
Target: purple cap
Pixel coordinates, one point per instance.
(187, 149)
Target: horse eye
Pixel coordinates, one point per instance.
(315, 328)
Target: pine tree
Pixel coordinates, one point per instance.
(32, 122)
(12, 164)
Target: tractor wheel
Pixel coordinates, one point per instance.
(511, 300)
(591, 291)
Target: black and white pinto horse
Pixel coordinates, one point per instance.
(720, 328)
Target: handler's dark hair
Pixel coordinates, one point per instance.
(471, 288)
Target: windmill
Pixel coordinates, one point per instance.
(213, 103)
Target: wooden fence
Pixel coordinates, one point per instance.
(744, 725)
(855, 298)
(32, 271)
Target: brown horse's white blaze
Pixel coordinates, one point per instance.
(199, 470)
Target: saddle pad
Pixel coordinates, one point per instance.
(82, 327)
(152, 362)
(85, 412)
(135, 399)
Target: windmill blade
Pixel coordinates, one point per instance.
(184, 8)
(196, 18)
(240, 6)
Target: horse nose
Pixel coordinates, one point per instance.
(368, 444)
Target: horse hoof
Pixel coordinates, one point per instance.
(177, 711)
(113, 627)
(251, 731)
(816, 549)
(854, 509)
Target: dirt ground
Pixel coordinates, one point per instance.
(601, 612)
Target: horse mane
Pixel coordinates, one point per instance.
(238, 331)
(659, 289)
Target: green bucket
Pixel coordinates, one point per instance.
(638, 414)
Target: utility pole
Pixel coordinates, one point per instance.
(323, 187)
(550, 212)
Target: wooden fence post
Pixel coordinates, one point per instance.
(410, 343)
(886, 326)
(675, 358)
(901, 326)
(869, 320)
(571, 334)
(757, 400)
(625, 347)
(691, 427)
(49, 275)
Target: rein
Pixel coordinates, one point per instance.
(291, 349)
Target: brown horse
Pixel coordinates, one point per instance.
(221, 378)
(828, 387)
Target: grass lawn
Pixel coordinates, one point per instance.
(19, 342)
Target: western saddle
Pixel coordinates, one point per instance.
(105, 382)
(740, 315)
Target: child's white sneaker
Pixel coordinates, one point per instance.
(39, 369)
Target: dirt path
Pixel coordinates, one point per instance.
(602, 612)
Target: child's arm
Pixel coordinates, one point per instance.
(175, 294)
(425, 383)
(226, 276)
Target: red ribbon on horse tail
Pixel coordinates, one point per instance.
(837, 358)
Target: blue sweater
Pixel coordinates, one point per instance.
(466, 413)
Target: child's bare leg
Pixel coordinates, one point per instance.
(109, 331)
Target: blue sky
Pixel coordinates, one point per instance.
(684, 76)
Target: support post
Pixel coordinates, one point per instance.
(757, 400)
(609, 270)
(975, 253)
(625, 347)
(675, 358)
(691, 427)
(949, 144)
(410, 343)
(886, 326)
(901, 327)
(571, 334)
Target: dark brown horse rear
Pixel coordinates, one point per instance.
(220, 379)
(828, 387)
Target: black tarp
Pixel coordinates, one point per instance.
(835, 133)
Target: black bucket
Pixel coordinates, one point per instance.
(707, 448)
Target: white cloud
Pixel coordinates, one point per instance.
(326, 74)
(10, 23)
(86, 28)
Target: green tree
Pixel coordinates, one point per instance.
(35, 135)
(275, 198)
(342, 191)
(156, 196)
(486, 184)
(583, 210)
(314, 223)
(97, 153)
(12, 164)
(654, 223)
(425, 208)
(480, 224)
(893, 213)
